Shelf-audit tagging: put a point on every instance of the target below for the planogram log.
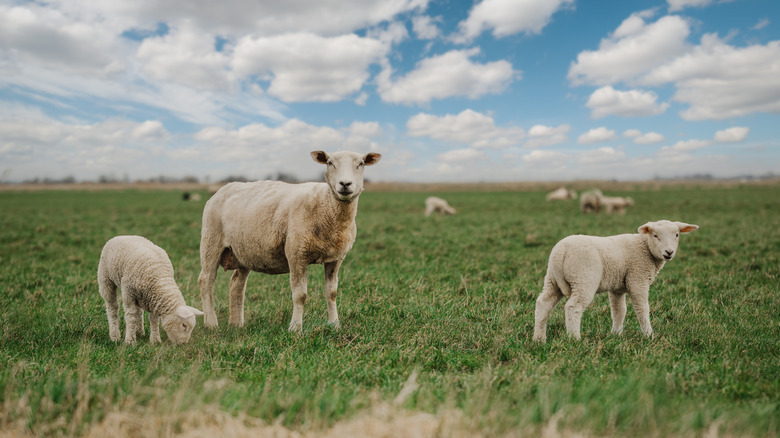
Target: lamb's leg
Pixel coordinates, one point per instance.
(544, 305)
(579, 300)
(639, 300)
(298, 284)
(154, 328)
(331, 291)
(617, 305)
(108, 292)
(237, 293)
(209, 261)
(133, 319)
(141, 326)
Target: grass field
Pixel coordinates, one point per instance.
(437, 318)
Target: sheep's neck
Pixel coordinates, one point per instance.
(344, 211)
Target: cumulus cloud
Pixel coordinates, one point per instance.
(686, 146)
(508, 17)
(545, 158)
(678, 5)
(602, 155)
(541, 136)
(425, 27)
(649, 138)
(633, 103)
(468, 127)
(462, 155)
(596, 135)
(447, 75)
(732, 135)
(632, 133)
(634, 48)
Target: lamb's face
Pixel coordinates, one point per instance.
(344, 173)
(179, 325)
(663, 237)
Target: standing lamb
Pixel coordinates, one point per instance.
(144, 273)
(616, 203)
(561, 194)
(591, 201)
(434, 204)
(275, 227)
(580, 266)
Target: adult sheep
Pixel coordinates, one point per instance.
(580, 266)
(561, 194)
(434, 204)
(591, 201)
(275, 227)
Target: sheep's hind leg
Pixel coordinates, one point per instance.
(544, 305)
(331, 291)
(298, 284)
(133, 319)
(579, 300)
(154, 329)
(209, 261)
(108, 292)
(617, 305)
(237, 294)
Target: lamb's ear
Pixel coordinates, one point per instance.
(196, 311)
(371, 158)
(183, 312)
(646, 228)
(686, 228)
(320, 157)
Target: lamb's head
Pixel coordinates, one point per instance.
(663, 237)
(344, 174)
(180, 324)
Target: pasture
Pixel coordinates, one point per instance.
(436, 324)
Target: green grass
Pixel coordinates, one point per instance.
(451, 297)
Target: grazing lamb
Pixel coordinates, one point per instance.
(437, 205)
(580, 266)
(561, 194)
(616, 203)
(144, 273)
(591, 201)
(275, 227)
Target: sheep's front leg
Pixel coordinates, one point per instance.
(133, 320)
(331, 291)
(639, 300)
(544, 305)
(617, 305)
(298, 284)
(108, 292)
(154, 328)
(579, 300)
(237, 294)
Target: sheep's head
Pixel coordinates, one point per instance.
(344, 174)
(663, 237)
(180, 324)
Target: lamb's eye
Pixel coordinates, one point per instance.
(677, 235)
(656, 236)
(361, 164)
(184, 326)
(330, 163)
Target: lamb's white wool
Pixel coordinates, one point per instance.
(591, 201)
(616, 204)
(561, 194)
(275, 228)
(144, 273)
(434, 204)
(580, 266)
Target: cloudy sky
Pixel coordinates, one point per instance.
(446, 90)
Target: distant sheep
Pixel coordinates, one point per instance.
(616, 204)
(275, 227)
(591, 201)
(581, 266)
(144, 273)
(561, 194)
(437, 205)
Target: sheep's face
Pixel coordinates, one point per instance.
(664, 236)
(344, 174)
(180, 324)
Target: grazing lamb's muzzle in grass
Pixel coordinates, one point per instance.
(276, 228)
(581, 266)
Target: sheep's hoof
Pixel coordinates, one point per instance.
(335, 324)
(295, 327)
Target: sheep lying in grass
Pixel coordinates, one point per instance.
(434, 204)
(591, 201)
(275, 228)
(561, 194)
(616, 204)
(144, 273)
(580, 266)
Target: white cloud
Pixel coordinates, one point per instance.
(633, 103)
(732, 135)
(596, 135)
(762, 23)
(686, 146)
(304, 67)
(508, 17)
(632, 133)
(633, 49)
(541, 135)
(447, 75)
(545, 158)
(425, 27)
(462, 155)
(602, 155)
(720, 81)
(649, 138)
(678, 5)
(468, 127)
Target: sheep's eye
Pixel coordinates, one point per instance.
(677, 235)
(361, 164)
(184, 326)
(656, 236)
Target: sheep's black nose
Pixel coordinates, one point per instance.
(345, 184)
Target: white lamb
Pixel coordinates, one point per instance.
(616, 204)
(434, 204)
(580, 266)
(144, 273)
(275, 228)
(591, 201)
(561, 194)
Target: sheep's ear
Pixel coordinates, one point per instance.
(195, 311)
(686, 228)
(320, 157)
(371, 158)
(646, 228)
(183, 312)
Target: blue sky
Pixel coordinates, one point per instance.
(493, 90)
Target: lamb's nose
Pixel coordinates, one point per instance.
(668, 254)
(345, 184)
